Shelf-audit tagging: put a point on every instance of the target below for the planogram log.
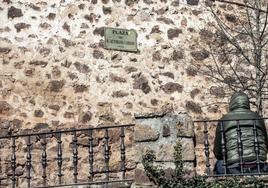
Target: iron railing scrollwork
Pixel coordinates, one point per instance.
(13, 178)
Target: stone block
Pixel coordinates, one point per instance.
(144, 133)
(185, 127)
(187, 149)
(141, 178)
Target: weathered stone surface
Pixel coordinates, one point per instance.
(115, 78)
(55, 85)
(97, 54)
(59, 65)
(173, 33)
(4, 50)
(130, 69)
(119, 94)
(82, 68)
(165, 152)
(41, 126)
(51, 16)
(20, 26)
(200, 55)
(168, 74)
(38, 113)
(171, 87)
(156, 56)
(141, 178)
(143, 133)
(191, 71)
(166, 131)
(14, 12)
(185, 127)
(140, 82)
(194, 92)
(38, 63)
(66, 27)
(106, 10)
(80, 88)
(217, 91)
(5, 108)
(177, 55)
(85, 117)
(131, 2)
(67, 42)
(165, 20)
(45, 25)
(194, 107)
(188, 149)
(99, 31)
(192, 2)
(54, 107)
(68, 115)
(231, 18)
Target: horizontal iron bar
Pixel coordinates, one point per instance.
(67, 131)
(89, 183)
(203, 121)
(232, 175)
(104, 171)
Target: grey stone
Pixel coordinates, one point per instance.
(4, 50)
(80, 88)
(187, 149)
(194, 107)
(85, 117)
(185, 127)
(39, 63)
(192, 2)
(119, 94)
(38, 113)
(200, 55)
(55, 85)
(41, 126)
(97, 54)
(5, 108)
(166, 131)
(165, 152)
(144, 133)
(82, 68)
(173, 33)
(14, 12)
(171, 87)
(141, 82)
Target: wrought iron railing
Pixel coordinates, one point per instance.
(208, 142)
(9, 143)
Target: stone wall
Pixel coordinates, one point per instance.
(56, 74)
(55, 70)
(160, 133)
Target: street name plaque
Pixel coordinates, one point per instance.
(120, 39)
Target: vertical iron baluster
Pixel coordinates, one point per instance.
(75, 156)
(223, 147)
(123, 152)
(44, 160)
(206, 144)
(90, 155)
(239, 143)
(59, 157)
(256, 145)
(29, 161)
(13, 162)
(106, 153)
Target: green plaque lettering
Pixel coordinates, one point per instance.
(120, 39)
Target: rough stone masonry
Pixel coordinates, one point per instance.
(56, 74)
